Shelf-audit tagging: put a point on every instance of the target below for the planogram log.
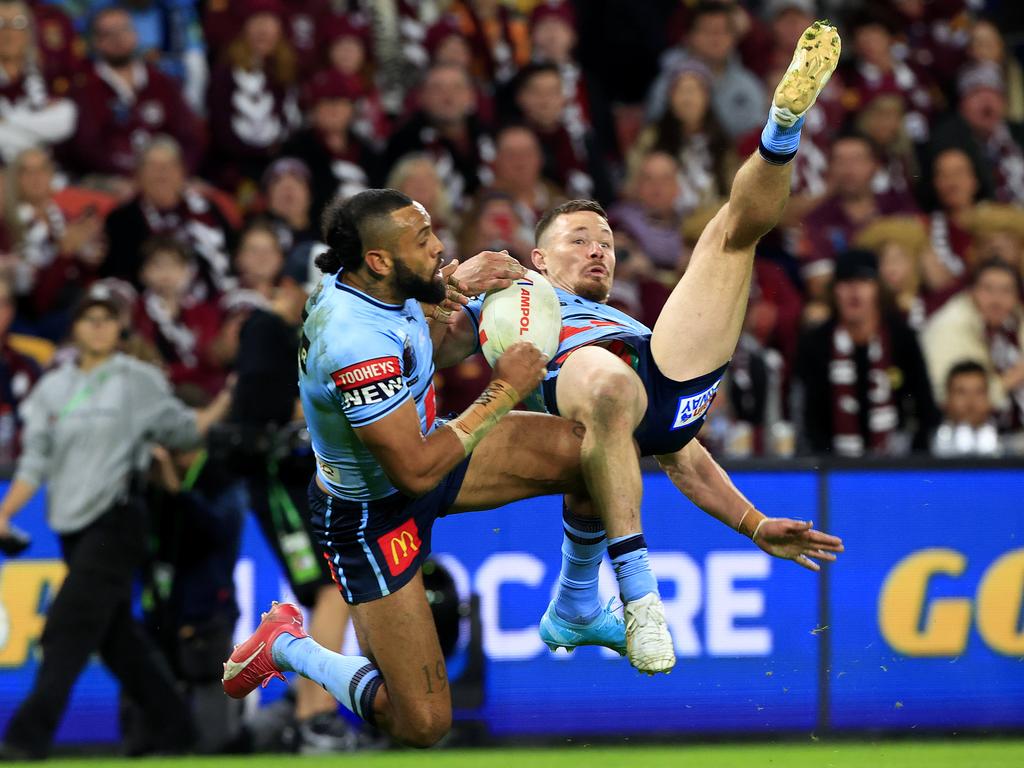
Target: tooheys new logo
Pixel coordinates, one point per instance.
(369, 382)
(524, 307)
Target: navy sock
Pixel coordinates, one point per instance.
(583, 546)
(352, 680)
(632, 568)
(779, 142)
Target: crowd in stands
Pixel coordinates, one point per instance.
(178, 154)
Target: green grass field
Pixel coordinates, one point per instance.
(898, 754)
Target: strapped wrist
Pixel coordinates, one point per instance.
(497, 399)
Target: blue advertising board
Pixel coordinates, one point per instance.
(926, 607)
(744, 624)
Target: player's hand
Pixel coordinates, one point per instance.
(488, 271)
(523, 366)
(796, 540)
(455, 297)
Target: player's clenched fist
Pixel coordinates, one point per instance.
(523, 366)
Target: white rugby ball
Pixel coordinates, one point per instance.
(525, 311)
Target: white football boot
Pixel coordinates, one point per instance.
(648, 642)
(814, 61)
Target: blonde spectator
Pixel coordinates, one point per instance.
(416, 175)
(986, 324)
(998, 233)
(901, 244)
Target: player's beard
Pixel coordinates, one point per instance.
(595, 291)
(432, 291)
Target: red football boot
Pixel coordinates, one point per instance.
(251, 663)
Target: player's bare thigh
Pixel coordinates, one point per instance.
(525, 455)
(593, 382)
(398, 633)
(701, 322)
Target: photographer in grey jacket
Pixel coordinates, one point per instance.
(87, 427)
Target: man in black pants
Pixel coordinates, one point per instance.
(85, 424)
(266, 398)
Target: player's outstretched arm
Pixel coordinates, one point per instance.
(416, 463)
(703, 481)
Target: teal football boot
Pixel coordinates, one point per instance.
(607, 630)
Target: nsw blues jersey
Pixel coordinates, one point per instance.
(359, 360)
(584, 322)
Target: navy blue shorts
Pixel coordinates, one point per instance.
(374, 548)
(675, 409)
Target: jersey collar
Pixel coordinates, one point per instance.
(367, 297)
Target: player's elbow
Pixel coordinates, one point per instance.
(414, 483)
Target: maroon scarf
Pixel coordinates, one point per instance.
(847, 439)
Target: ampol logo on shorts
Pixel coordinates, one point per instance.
(693, 407)
(400, 546)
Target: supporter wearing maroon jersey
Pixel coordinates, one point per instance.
(167, 205)
(128, 102)
(446, 127)
(62, 51)
(829, 229)
(949, 225)
(340, 162)
(55, 256)
(571, 157)
(182, 328)
(252, 99)
(32, 114)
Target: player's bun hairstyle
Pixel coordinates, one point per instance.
(570, 206)
(346, 225)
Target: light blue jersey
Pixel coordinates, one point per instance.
(359, 360)
(584, 322)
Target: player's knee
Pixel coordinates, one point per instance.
(426, 726)
(610, 399)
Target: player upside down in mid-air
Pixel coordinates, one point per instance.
(386, 471)
(634, 388)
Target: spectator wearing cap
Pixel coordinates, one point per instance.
(167, 205)
(876, 69)
(253, 99)
(445, 44)
(987, 45)
(33, 115)
(689, 131)
(416, 176)
(969, 427)
(518, 162)
(997, 230)
(981, 129)
(340, 162)
(738, 97)
(498, 36)
(786, 21)
(862, 385)
(572, 158)
(181, 328)
(650, 214)
(286, 187)
(128, 101)
(955, 188)
(347, 43)
(830, 227)
(87, 422)
(18, 374)
(984, 323)
(493, 224)
(54, 255)
(446, 127)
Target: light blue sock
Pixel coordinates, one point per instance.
(632, 568)
(352, 680)
(583, 546)
(779, 142)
